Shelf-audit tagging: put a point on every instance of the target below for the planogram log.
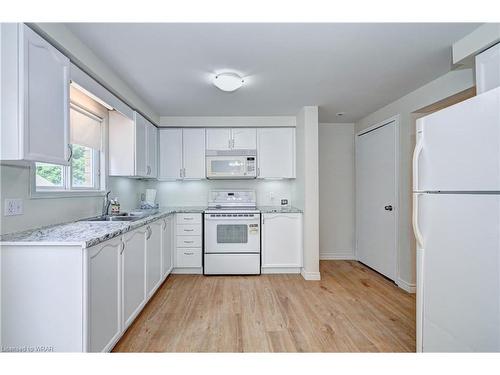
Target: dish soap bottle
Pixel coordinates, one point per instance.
(115, 206)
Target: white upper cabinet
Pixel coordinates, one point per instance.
(488, 69)
(193, 153)
(231, 139)
(35, 97)
(276, 152)
(133, 146)
(244, 138)
(170, 163)
(152, 150)
(218, 139)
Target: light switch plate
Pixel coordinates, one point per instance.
(13, 207)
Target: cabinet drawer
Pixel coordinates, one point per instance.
(188, 218)
(188, 241)
(189, 230)
(188, 257)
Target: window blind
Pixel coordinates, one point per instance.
(85, 129)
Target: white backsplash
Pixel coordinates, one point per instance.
(195, 193)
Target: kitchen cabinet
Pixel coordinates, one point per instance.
(276, 152)
(281, 242)
(188, 242)
(133, 146)
(170, 154)
(231, 139)
(182, 154)
(153, 256)
(104, 289)
(488, 69)
(167, 246)
(133, 273)
(34, 111)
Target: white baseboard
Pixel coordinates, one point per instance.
(337, 255)
(310, 275)
(188, 271)
(410, 288)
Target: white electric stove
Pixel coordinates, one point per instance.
(232, 233)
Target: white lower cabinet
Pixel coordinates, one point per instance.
(134, 274)
(281, 242)
(104, 286)
(167, 246)
(153, 257)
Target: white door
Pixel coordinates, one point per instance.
(218, 139)
(170, 163)
(104, 295)
(458, 148)
(193, 153)
(141, 153)
(276, 152)
(461, 269)
(45, 100)
(152, 150)
(282, 240)
(377, 199)
(244, 138)
(153, 256)
(134, 274)
(167, 238)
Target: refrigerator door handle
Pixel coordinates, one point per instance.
(416, 228)
(416, 155)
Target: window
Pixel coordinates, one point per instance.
(83, 173)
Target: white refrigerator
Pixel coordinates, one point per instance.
(456, 220)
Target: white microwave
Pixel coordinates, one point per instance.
(231, 164)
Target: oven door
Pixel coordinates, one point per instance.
(232, 233)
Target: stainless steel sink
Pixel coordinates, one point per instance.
(115, 218)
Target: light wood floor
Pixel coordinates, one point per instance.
(351, 309)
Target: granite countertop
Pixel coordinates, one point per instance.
(88, 233)
(279, 209)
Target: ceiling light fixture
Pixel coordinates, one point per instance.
(228, 81)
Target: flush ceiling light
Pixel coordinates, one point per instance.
(228, 81)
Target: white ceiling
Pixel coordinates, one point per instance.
(351, 68)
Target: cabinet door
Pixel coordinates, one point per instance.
(193, 153)
(170, 154)
(276, 152)
(218, 139)
(153, 256)
(282, 240)
(244, 138)
(152, 150)
(167, 241)
(133, 274)
(44, 100)
(488, 69)
(104, 325)
(141, 152)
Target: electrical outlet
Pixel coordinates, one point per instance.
(284, 202)
(13, 207)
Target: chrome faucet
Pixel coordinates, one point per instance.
(106, 204)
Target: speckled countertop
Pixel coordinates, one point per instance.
(279, 209)
(87, 233)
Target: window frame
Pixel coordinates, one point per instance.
(68, 190)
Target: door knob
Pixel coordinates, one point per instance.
(388, 208)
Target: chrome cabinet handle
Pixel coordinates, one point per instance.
(70, 152)
(188, 253)
(188, 241)
(122, 248)
(188, 230)
(149, 170)
(150, 232)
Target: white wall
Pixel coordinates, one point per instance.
(443, 87)
(39, 212)
(227, 121)
(306, 188)
(336, 191)
(195, 193)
